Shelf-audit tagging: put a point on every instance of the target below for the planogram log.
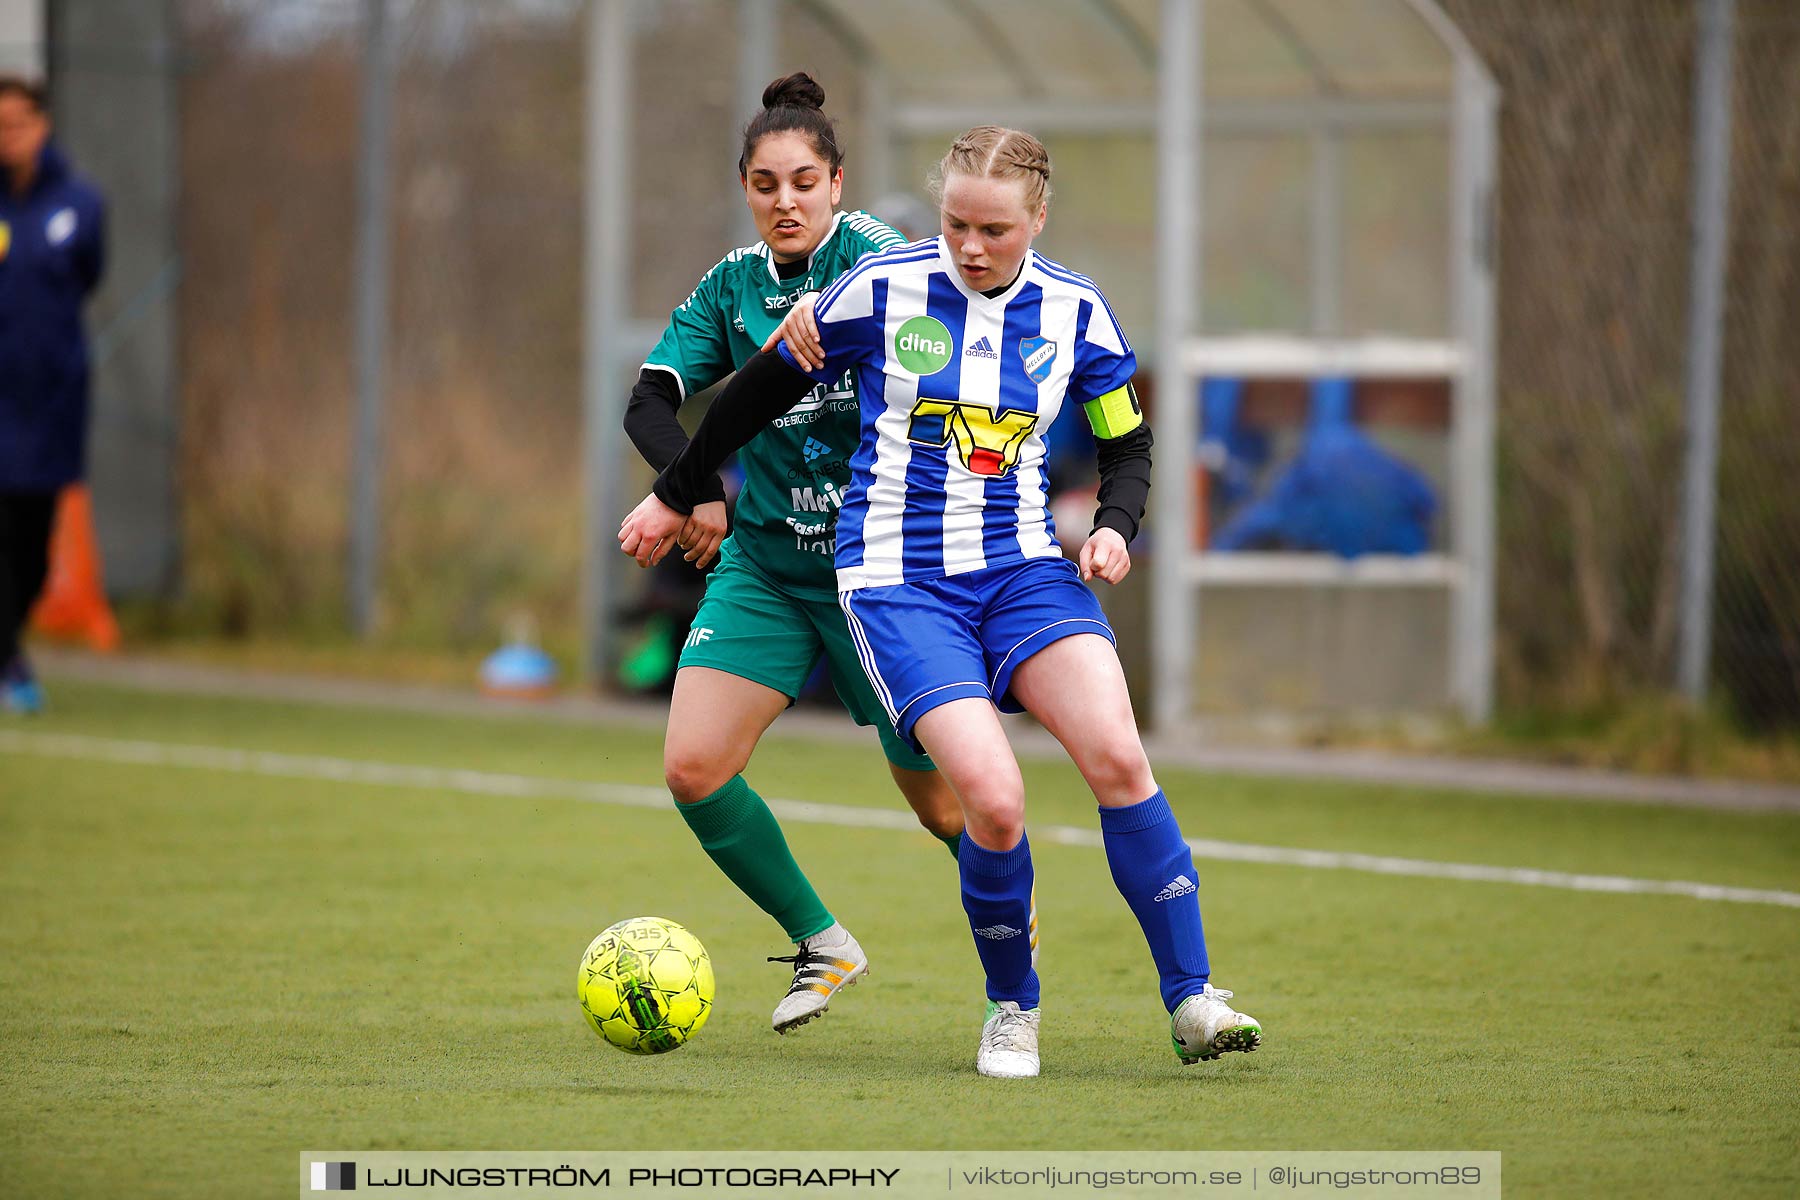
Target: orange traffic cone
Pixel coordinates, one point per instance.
(73, 606)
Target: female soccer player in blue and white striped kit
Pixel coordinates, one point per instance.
(966, 347)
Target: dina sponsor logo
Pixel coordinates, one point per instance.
(922, 346)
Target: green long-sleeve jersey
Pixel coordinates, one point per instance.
(795, 470)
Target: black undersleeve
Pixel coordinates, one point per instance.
(1124, 481)
(651, 425)
(764, 388)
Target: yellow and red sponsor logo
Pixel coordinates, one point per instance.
(986, 441)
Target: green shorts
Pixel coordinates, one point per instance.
(753, 627)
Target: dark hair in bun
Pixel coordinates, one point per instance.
(793, 103)
(798, 90)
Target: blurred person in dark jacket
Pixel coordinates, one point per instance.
(51, 254)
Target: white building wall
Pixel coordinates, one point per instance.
(22, 37)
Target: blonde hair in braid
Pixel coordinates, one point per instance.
(993, 152)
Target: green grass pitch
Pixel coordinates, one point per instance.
(204, 972)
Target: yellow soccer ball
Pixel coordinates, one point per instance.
(646, 985)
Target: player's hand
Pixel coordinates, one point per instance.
(1104, 554)
(705, 529)
(801, 333)
(648, 532)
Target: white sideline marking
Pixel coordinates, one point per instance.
(488, 783)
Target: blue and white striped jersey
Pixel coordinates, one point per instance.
(957, 391)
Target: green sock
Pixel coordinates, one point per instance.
(954, 841)
(739, 833)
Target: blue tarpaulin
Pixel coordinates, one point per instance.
(1342, 493)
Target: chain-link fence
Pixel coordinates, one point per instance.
(1595, 259)
(1756, 627)
(482, 490)
(481, 483)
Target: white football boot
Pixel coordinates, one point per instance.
(1204, 1027)
(825, 962)
(1009, 1042)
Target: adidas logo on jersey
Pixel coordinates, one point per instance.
(1181, 885)
(981, 349)
(999, 933)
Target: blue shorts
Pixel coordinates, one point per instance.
(927, 643)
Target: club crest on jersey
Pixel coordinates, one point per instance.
(987, 442)
(1038, 354)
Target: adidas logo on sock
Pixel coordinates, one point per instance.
(1181, 885)
(1000, 933)
(981, 349)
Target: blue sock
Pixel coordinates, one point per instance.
(996, 892)
(1154, 870)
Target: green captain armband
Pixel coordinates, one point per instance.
(1115, 414)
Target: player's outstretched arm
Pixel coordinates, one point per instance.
(653, 427)
(763, 389)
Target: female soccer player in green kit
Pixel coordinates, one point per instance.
(770, 610)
